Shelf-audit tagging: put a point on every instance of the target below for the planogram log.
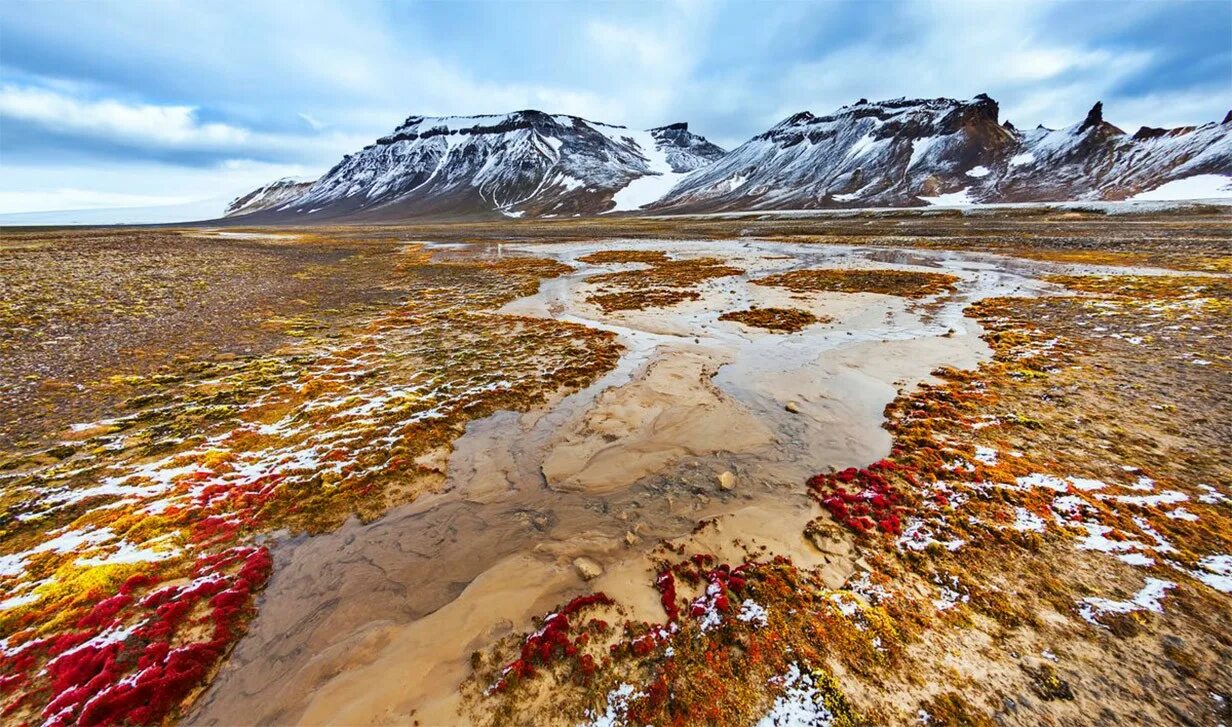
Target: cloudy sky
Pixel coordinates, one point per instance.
(136, 104)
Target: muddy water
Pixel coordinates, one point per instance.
(375, 623)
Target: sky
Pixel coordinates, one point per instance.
(185, 105)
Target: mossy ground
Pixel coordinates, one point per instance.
(774, 319)
(905, 283)
(1034, 499)
(350, 415)
(663, 282)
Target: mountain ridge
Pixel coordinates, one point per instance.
(523, 162)
(894, 153)
(910, 152)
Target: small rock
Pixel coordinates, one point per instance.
(727, 481)
(630, 538)
(792, 407)
(829, 543)
(587, 568)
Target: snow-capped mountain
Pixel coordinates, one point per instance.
(522, 163)
(911, 152)
(269, 196)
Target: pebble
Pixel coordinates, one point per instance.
(587, 568)
(792, 407)
(727, 481)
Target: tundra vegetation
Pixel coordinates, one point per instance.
(1050, 533)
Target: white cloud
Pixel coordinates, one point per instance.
(168, 126)
(37, 188)
(959, 50)
(312, 121)
(70, 198)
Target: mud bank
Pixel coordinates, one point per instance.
(376, 623)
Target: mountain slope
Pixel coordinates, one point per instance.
(526, 162)
(910, 152)
(269, 196)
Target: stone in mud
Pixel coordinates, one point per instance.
(587, 568)
(630, 538)
(727, 481)
(792, 407)
(827, 539)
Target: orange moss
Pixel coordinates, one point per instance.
(775, 319)
(887, 282)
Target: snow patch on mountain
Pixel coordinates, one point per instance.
(1200, 186)
(961, 198)
(650, 187)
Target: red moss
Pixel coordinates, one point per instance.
(120, 666)
(873, 505)
(551, 642)
(666, 583)
(105, 611)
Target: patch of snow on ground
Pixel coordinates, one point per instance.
(1027, 521)
(985, 455)
(1216, 572)
(1150, 598)
(711, 617)
(980, 171)
(1212, 496)
(1037, 479)
(736, 182)
(1167, 497)
(752, 612)
(1201, 186)
(617, 707)
(919, 149)
(1096, 540)
(801, 702)
(950, 595)
(1085, 484)
(1019, 159)
(917, 537)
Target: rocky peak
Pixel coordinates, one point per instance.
(685, 150)
(1095, 117)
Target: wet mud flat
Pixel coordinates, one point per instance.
(653, 503)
